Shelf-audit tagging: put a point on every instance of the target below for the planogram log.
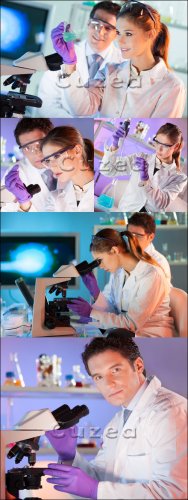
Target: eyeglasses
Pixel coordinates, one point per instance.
(47, 161)
(165, 146)
(138, 235)
(32, 147)
(132, 4)
(97, 24)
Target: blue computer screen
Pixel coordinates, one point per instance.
(35, 256)
(22, 28)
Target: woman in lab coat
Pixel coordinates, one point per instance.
(137, 295)
(156, 180)
(143, 85)
(71, 159)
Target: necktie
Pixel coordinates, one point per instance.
(49, 180)
(126, 415)
(95, 65)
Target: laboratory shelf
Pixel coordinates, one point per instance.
(178, 26)
(177, 263)
(158, 227)
(44, 392)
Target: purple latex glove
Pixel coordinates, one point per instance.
(118, 134)
(72, 480)
(142, 165)
(80, 307)
(64, 442)
(90, 282)
(14, 184)
(64, 49)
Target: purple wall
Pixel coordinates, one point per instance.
(8, 125)
(131, 147)
(165, 358)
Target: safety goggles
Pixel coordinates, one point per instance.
(32, 146)
(97, 24)
(138, 235)
(138, 7)
(48, 160)
(165, 146)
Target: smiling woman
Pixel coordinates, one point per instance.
(143, 85)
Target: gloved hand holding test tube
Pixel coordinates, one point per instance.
(62, 39)
(141, 165)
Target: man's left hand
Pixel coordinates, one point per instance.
(72, 480)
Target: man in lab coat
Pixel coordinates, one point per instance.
(100, 42)
(143, 454)
(28, 134)
(142, 225)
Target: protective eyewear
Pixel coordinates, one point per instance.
(129, 6)
(97, 24)
(55, 156)
(138, 235)
(158, 143)
(32, 146)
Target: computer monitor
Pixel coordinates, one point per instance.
(37, 256)
(23, 27)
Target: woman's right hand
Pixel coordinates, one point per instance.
(64, 49)
(118, 134)
(90, 282)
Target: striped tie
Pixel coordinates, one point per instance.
(126, 415)
(95, 65)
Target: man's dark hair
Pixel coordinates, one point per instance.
(29, 124)
(110, 7)
(118, 340)
(143, 220)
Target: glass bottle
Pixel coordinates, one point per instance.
(79, 377)
(69, 380)
(17, 369)
(68, 36)
(10, 378)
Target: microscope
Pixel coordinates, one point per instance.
(53, 316)
(13, 104)
(26, 443)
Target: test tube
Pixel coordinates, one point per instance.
(68, 36)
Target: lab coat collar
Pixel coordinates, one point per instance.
(149, 76)
(167, 166)
(137, 396)
(150, 248)
(144, 396)
(105, 53)
(139, 269)
(85, 188)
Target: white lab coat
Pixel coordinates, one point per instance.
(54, 99)
(161, 259)
(145, 458)
(29, 175)
(158, 192)
(64, 199)
(120, 91)
(139, 302)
